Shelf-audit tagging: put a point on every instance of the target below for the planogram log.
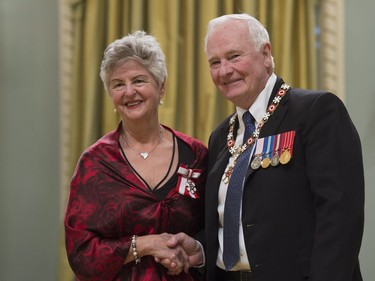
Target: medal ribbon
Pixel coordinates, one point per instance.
(269, 144)
(186, 185)
(276, 145)
(259, 147)
(288, 140)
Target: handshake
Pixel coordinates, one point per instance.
(176, 252)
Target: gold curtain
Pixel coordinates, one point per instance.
(191, 105)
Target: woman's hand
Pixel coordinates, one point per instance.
(188, 251)
(175, 259)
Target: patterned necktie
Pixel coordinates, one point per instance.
(231, 253)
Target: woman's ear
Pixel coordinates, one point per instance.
(162, 89)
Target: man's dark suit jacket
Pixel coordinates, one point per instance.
(302, 220)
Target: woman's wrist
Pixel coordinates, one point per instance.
(137, 259)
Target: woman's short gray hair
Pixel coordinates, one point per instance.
(138, 46)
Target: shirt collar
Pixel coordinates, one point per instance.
(259, 107)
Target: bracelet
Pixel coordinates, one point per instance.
(134, 248)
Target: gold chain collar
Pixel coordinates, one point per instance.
(235, 150)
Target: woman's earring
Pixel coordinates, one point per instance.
(161, 102)
(114, 110)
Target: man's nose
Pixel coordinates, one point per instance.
(225, 68)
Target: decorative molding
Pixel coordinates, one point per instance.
(332, 66)
(66, 62)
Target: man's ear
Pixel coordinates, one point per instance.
(267, 55)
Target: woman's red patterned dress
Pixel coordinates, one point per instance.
(108, 204)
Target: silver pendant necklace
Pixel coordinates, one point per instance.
(145, 154)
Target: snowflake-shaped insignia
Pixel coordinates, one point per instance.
(277, 99)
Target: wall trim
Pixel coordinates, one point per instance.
(332, 66)
(65, 63)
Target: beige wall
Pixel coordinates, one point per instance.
(29, 126)
(360, 101)
(29, 141)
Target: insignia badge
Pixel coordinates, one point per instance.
(186, 181)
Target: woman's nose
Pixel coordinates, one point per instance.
(129, 89)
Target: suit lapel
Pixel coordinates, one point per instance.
(272, 125)
(220, 162)
(218, 169)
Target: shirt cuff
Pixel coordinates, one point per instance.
(204, 256)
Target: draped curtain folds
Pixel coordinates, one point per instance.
(191, 104)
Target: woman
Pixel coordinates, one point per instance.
(138, 184)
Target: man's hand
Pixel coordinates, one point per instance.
(175, 258)
(187, 249)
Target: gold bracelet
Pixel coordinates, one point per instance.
(134, 248)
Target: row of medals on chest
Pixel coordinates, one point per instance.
(257, 162)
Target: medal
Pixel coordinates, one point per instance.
(227, 174)
(186, 181)
(265, 162)
(287, 147)
(275, 159)
(285, 157)
(267, 150)
(255, 164)
(257, 161)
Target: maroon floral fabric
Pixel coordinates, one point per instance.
(108, 204)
